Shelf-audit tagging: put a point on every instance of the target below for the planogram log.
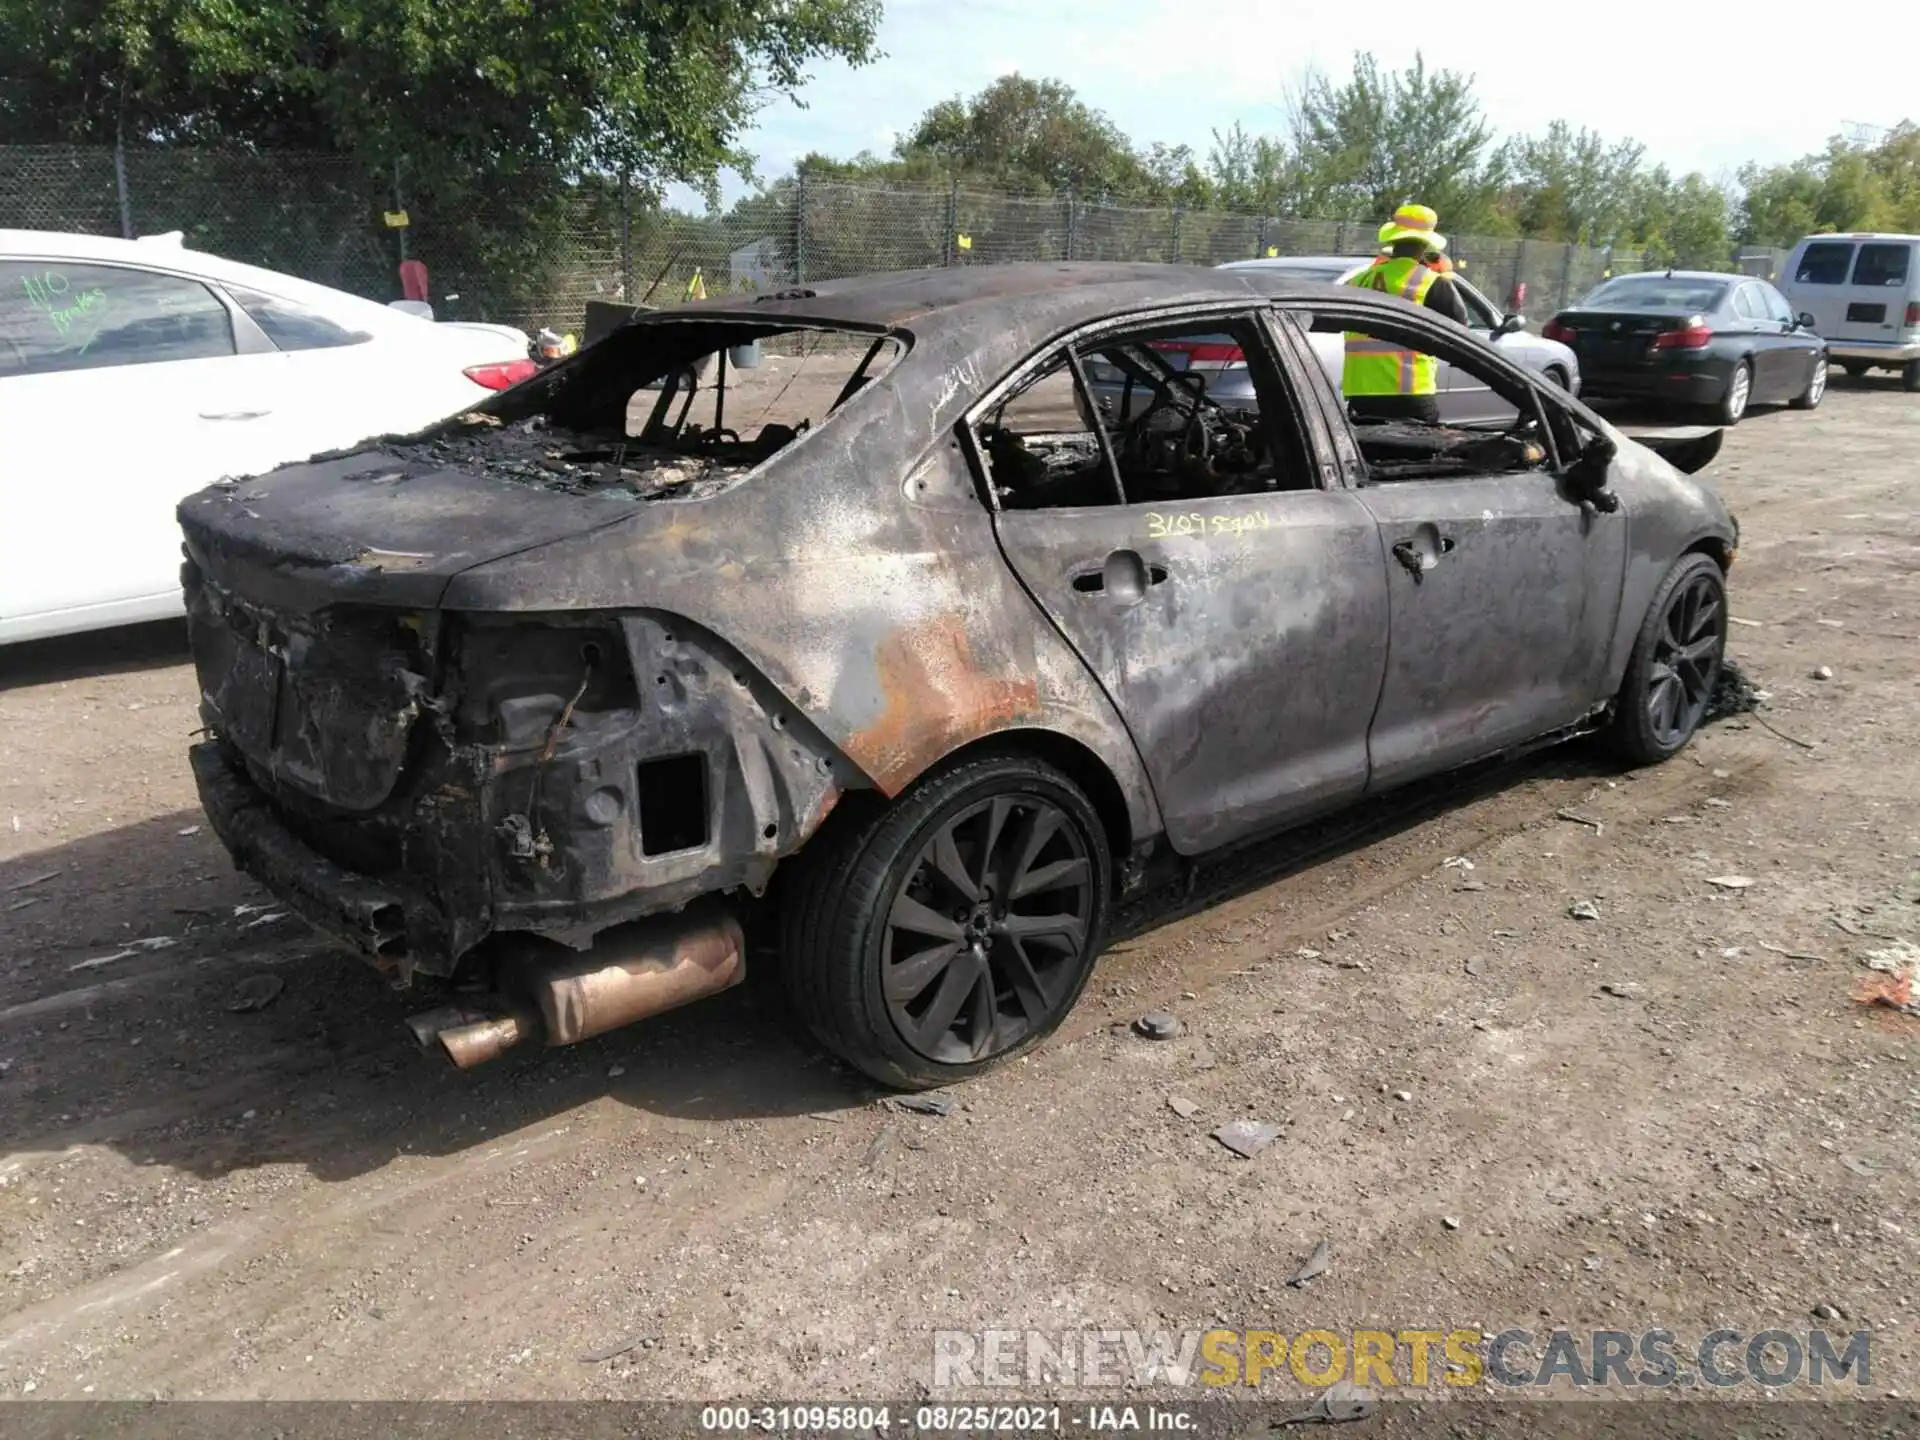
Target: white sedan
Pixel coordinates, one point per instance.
(134, 372)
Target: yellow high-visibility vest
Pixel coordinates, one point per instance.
(1384, 367)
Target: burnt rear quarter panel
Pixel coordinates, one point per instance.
(858, 572)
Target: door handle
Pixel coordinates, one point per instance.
(1125, 576)
(1421, 553)
(235, 415)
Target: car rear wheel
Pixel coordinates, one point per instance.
(1675, 663)
(1733, 404)
(1910, 377)
(954, 928)
(1808, 398)
(1853, 368)
(1556, 377)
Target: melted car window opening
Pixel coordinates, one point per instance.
(1401, 447)
(1155, 415)
(671, 411)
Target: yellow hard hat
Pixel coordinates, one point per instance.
(1414, 222)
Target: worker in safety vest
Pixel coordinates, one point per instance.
(1381, 378)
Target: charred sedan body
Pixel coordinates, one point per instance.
(1694, 338)
(560, 689)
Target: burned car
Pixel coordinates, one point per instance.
(897, 649)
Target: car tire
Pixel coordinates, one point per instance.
(858, 896)
(1739, 394)
(1556, 377)
(1855, 370)
(1688, 618)
(1910, 376)
(1809, 398)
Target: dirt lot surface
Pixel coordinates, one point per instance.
(1495, 1113)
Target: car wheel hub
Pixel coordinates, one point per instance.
(1737, 396)
(985, 939)
(1686, 660)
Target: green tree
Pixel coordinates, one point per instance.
(503, 114)
(1384, 138)
(1253, 174)
(1682, 222)
(1571, 185)
(1031, 135)
(661, 90)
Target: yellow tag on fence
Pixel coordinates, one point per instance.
(965, 242)
(396, 219)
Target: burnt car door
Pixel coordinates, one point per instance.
(1503, 586)
(1193, 544)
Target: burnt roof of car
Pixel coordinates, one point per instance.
(913, 297)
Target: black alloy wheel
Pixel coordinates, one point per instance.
(1675, 663)
(930, 938)
(989, 932)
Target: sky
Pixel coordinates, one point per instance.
(1700, 90)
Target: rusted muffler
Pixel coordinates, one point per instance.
(632, 972)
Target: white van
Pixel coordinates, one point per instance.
(1862, 293)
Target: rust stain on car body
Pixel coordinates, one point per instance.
(936, 698)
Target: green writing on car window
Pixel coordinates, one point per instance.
(66, 309)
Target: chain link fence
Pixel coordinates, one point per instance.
(533, 255)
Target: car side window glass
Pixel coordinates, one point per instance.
(291, 326)
(57, 316)
(1777, 306)
(1387, 373)
(1825, 262)
(1883, 263)
(1746, 300)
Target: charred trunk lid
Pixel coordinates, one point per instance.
(375, 527)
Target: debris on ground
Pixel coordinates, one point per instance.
(881, 1143)
(1343, 1401)
(256, 992)
(1584, 910)
(1791, 954)
(1622, 989)
(1403, 1096)
(1182, 1107)
(1158, 1025)
(1578, 819)
(1319, 1260)
(1247, 1138)
(99, 960)
(929, 1104)
(188, 830)
(1468, 886)
(600, 1357)
(1476, 964)
(1823, 672)
(1456, 862)
(1731, 882)
(1734, 693)
(1890, 987)
(1861, 1167)
(1452, 1222)
(32, 880)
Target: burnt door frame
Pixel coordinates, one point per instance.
(1241, 638)
(1451, 693)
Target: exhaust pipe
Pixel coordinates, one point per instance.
(632, 972)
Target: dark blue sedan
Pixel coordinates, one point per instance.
(1694, 338)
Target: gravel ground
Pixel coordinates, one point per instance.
(1496, 1114)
